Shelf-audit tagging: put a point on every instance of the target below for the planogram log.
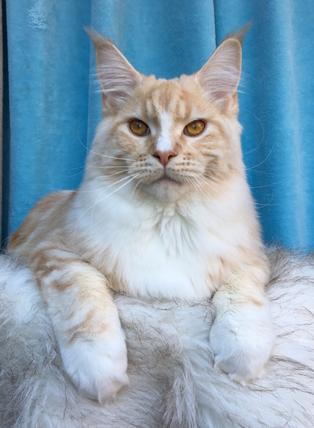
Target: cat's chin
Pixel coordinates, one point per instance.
(166, 189)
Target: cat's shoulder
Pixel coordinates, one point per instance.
(53, 199)
(42, 210)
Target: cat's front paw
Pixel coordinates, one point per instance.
(242, 339)
(97, 367)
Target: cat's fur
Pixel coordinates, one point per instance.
(173, 383)
(163, 215)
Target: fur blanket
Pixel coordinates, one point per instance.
(172, 379)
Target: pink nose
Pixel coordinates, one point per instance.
(164, 156)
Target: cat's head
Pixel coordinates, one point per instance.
(167, 138)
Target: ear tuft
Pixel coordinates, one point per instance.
(240, 34)
(116, 75)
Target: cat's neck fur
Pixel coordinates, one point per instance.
(184, 246)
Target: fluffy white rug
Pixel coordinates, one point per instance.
(172, 379)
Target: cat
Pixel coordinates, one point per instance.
(164, 212)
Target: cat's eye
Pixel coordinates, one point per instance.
(194, 128)
(138, 127)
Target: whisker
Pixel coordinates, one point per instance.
(262, 162)
(109, 157)
(120, 187)
(115, 174)
(137, 185)
(124, 168)
(197, 184)
(108, 187)
(124, 180)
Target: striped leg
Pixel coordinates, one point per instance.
(85, 321)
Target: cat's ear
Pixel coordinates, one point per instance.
(117, 77)
(220, 76)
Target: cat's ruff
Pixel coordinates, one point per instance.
(172, 379)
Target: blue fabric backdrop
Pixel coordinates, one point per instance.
(53, 105)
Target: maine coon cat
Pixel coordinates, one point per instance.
(164, 212)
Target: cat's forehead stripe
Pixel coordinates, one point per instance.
(168, 97)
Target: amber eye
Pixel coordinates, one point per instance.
(138, 127)
(195, 128)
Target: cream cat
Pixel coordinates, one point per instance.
(164, 211)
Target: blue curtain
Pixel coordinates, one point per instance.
(52, 105)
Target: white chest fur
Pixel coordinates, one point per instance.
(163, 257)
(171, 252)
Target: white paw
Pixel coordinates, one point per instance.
(97, 367)
(242, 339)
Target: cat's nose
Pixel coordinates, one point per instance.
(164, 156)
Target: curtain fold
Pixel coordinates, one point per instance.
(54, 105)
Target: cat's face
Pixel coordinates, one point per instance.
(167, 138)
